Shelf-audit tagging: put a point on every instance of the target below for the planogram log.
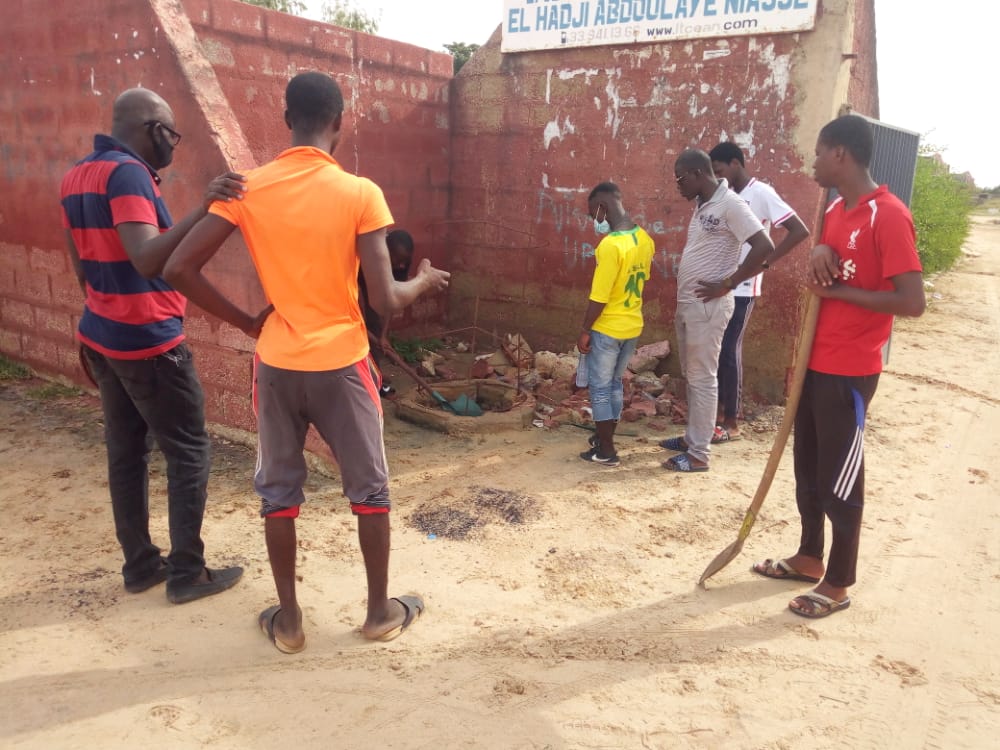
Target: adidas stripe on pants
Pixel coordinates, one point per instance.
(830, 468)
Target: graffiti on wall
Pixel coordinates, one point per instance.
(562, 212)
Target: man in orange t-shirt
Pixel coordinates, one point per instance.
(307, 224)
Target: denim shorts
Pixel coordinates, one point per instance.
(606, 362)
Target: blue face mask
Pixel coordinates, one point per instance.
(602, 227)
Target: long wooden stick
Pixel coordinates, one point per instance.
(802, 352)
(405, 367)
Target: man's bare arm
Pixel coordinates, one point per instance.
(760, 248)
(74, 257)
(148, 248)
(594, 310)
(183, 272)
(796, 232)
(906, 297)
(386, 295)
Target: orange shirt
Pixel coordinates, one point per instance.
(300, 219)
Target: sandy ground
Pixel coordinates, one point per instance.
(568, 617)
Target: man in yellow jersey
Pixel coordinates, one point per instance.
(307, 223)
(613, 321)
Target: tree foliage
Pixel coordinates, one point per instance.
(338, 12)
(343, 13)
(941, 206)
(461, 52)
(294, 7)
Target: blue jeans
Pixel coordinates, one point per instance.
(157, 398)
(606, 362)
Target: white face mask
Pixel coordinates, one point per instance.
(602, 227)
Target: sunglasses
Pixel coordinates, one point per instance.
(171, 135)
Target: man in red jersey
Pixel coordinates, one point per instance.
(866, 271)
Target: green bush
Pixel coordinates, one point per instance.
(941, 206)
(412, 349)
(52, 390)
(11, 370)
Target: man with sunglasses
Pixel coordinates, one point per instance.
(708, 273)
(119, 235)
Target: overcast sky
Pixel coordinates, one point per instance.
(936, 74)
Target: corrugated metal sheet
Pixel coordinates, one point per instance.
(894, 160)
(894, 163)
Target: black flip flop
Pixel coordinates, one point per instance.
(266, 622)
(820, 606)
(414, 607)
(789, 574)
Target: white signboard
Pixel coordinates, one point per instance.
(550, 24)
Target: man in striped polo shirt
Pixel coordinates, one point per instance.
(708, 273)
(119, 235)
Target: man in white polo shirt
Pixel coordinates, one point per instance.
(728, 162)
(709, 271)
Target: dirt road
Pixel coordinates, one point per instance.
(567, 616)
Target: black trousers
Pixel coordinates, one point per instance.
(374, 323)
(144, 399)
(731, 358)
(830, 468)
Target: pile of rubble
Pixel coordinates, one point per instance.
(561, 401)
(552, 379)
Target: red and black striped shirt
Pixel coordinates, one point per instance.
(125, 316)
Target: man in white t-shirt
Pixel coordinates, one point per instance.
(728, 162)
(709, 270)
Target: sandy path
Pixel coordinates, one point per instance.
(580, 627)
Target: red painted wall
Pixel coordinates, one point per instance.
(489, 170)
(534, 132)
(863, 90)
(56, 91)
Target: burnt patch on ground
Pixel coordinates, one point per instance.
(448, 523)
(481, 507)
(510, 507)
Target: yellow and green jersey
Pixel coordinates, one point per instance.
(624, 260)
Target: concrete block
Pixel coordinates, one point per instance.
(50, 261)
(10, 343)
(7, 283)
(33, 285)
(284, 29)
(373, 49)
(54, 323)
(66, 292)
(238, 18)
(17, 315)
(13, 255)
